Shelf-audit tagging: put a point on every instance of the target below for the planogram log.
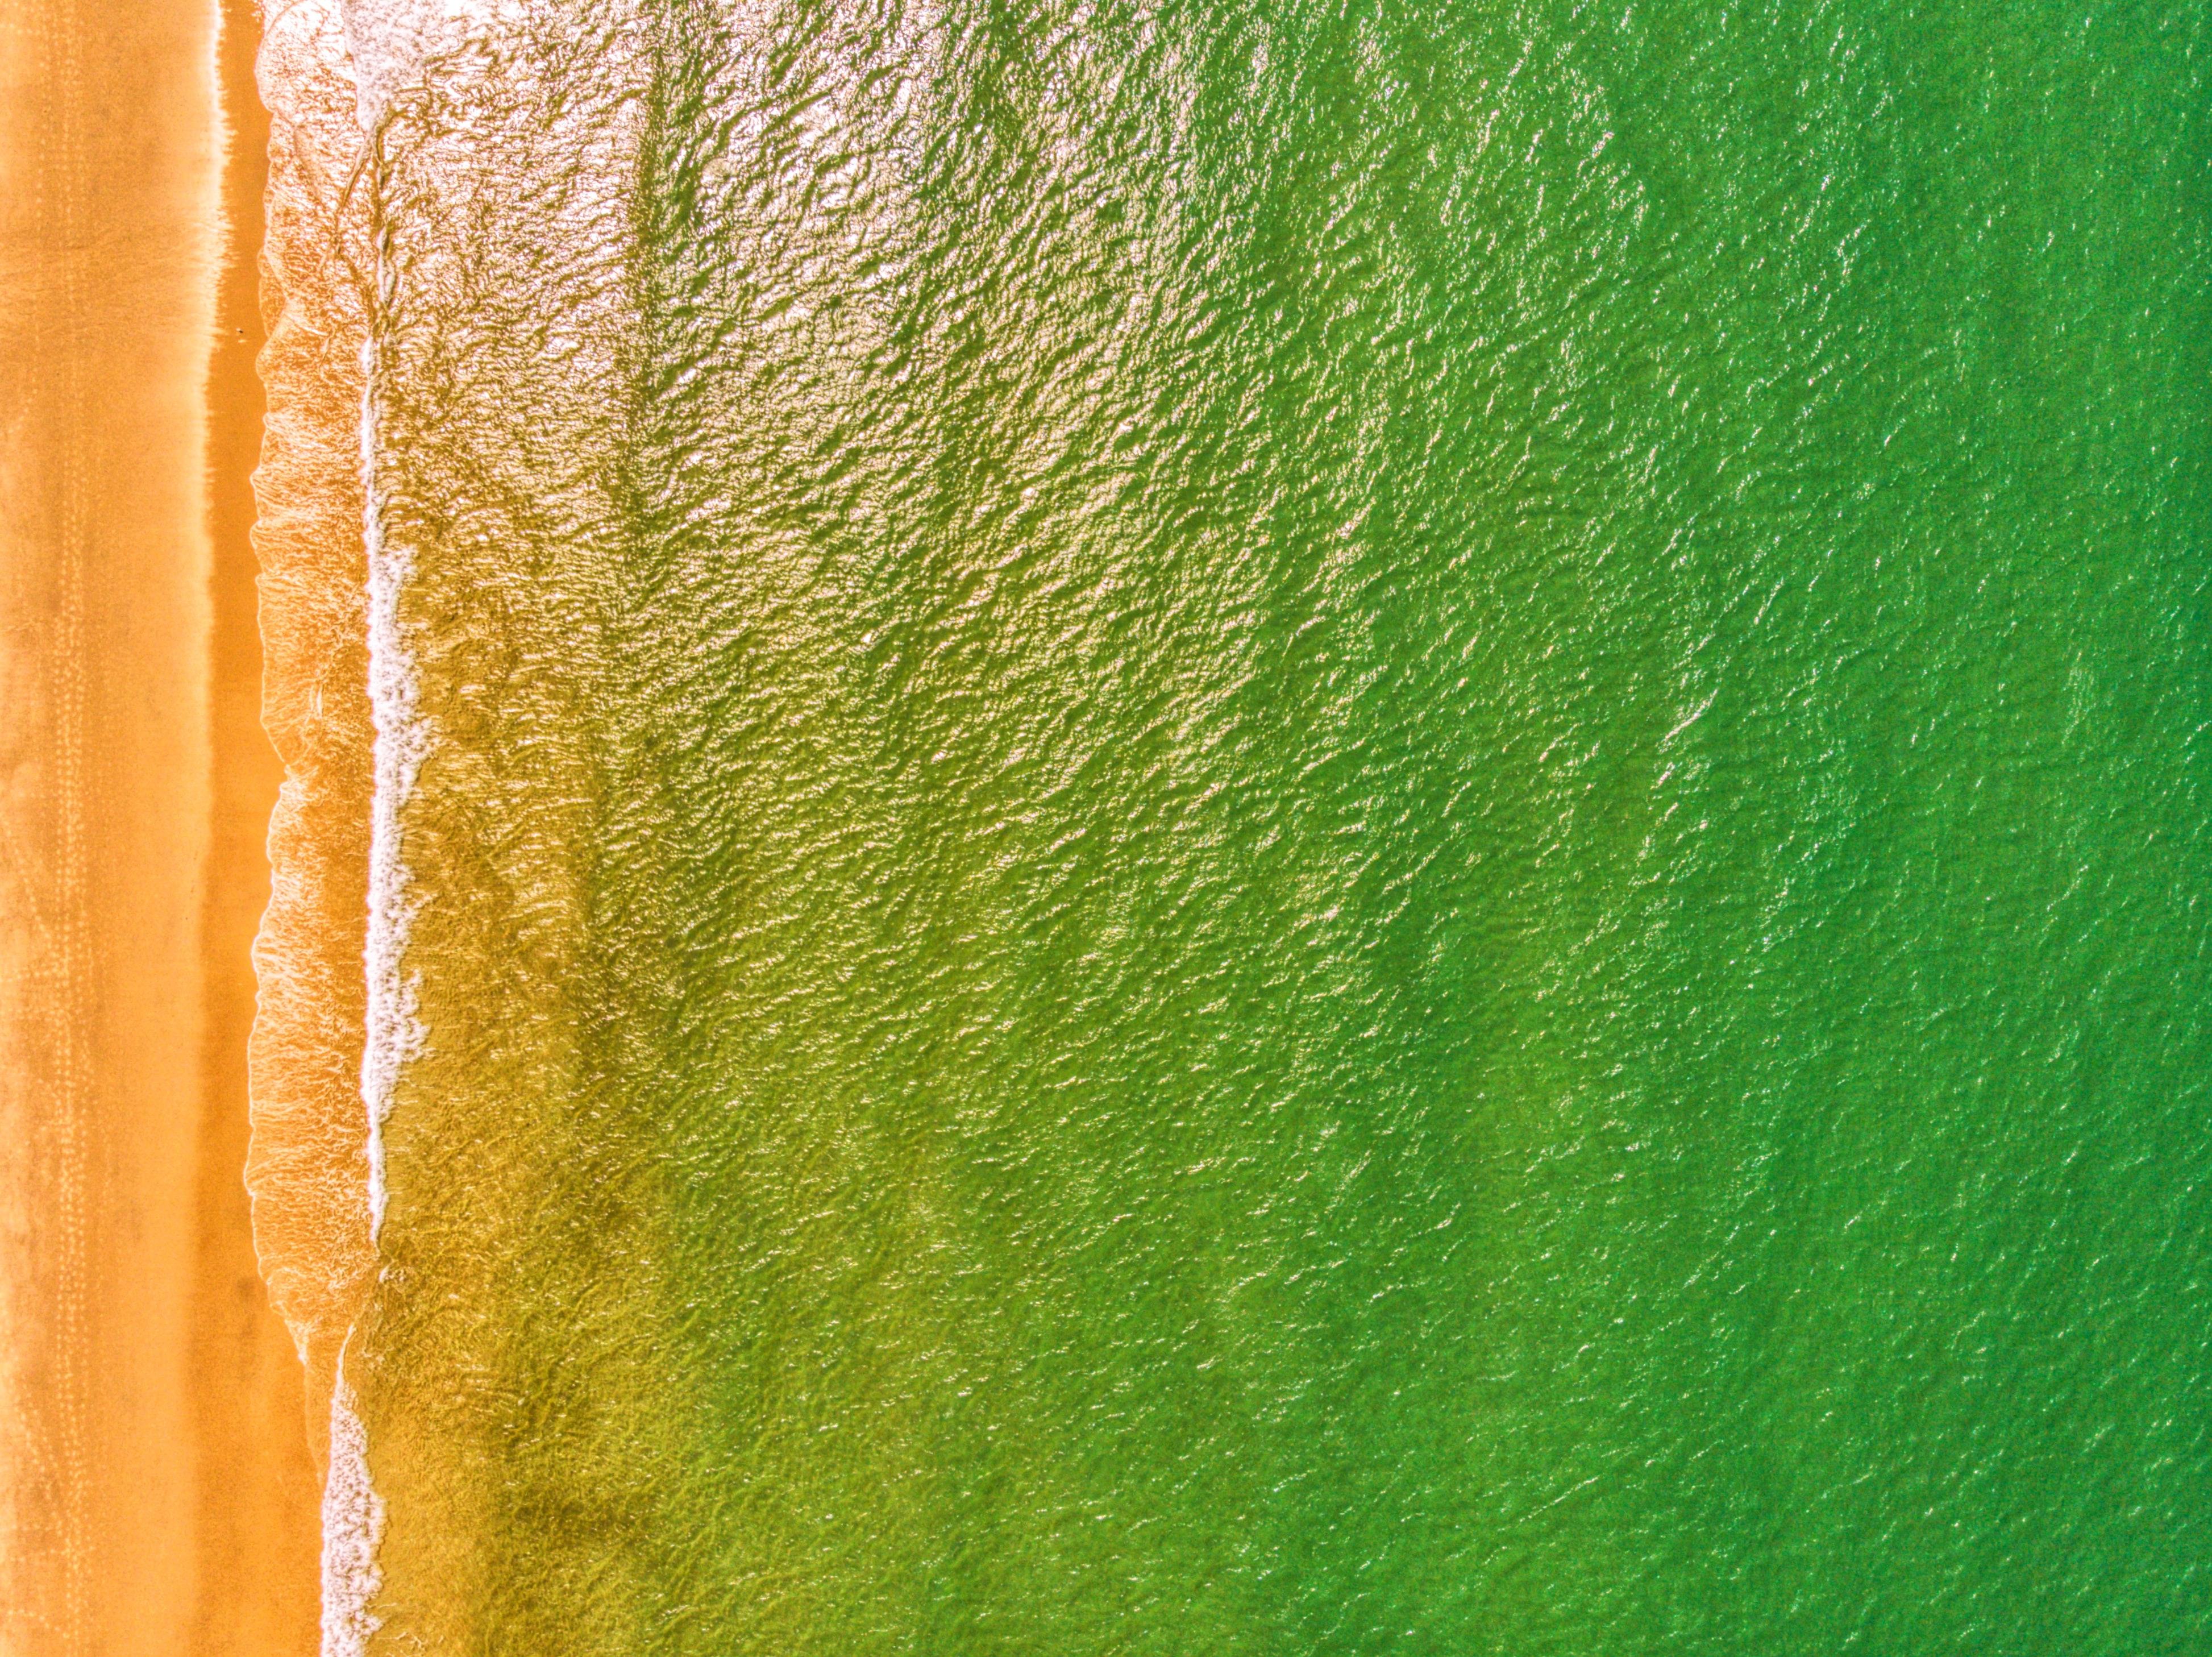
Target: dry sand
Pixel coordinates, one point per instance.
(157, 1494)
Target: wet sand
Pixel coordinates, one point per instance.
(157, 1494)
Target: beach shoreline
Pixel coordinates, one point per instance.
(259, 1540)
(155, 1492)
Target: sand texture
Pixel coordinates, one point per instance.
(155, 1492)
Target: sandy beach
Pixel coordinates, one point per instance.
(157, 1494)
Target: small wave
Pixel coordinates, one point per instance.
(329, 1036)
(394, 1034)
(353, 1526)
(392, 40)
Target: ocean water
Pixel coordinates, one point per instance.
(1321, 829)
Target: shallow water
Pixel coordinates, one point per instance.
(1380, 828)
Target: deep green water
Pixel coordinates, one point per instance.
(1321, 829)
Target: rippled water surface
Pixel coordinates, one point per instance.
(1316, 829)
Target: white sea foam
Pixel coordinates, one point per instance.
(392, 40)
(394, 1033)
(353, 1524)
(386, 44)
(389, 40)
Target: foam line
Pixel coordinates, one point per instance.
(353, 1524)
(394, 1034)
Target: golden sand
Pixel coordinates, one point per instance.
(157, 1494)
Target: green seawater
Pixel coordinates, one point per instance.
(1330, 828)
